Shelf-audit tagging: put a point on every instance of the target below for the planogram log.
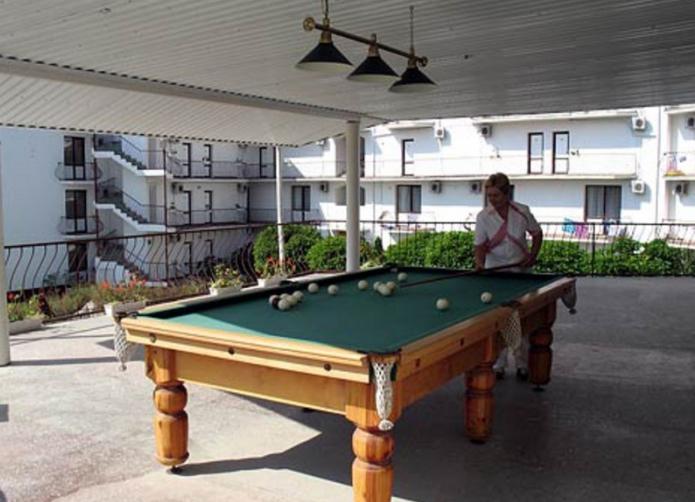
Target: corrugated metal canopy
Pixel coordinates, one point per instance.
(204, 69)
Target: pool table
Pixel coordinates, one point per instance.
(356, 353)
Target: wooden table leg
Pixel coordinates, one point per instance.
(372, 472)
(480, 403)
(170, 397)
(540, 356)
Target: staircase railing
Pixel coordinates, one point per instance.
(108, 192)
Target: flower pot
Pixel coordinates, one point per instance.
(269, 282)
(25, 325)
(230, 290)
(116, 308)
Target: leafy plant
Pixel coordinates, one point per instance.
(19, 309)
(563, 258)
(451, 250)
(298, 240)
(330, 254)
(225, 276)
(411, 250)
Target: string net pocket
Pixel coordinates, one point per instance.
(511, 332)
(384, 392)
(569, 299)
(123, 348)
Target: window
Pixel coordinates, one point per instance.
(561, 152)
(407, 157)
(341, 196)
(207, 160)
(77, 258)
(266, 165)
(186, 159)
(76, 211)
(408, 199)
(535, 153)
(362, 162)
(603, 202)
(301, 198)
(73, 157)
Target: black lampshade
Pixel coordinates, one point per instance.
(413, 80)
(325, 57)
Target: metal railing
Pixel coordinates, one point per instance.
(77, 173)
(110, 193)
(77, 226)
(179, 218)
(215, 169)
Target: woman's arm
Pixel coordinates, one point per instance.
(480, 252)
(536, 243)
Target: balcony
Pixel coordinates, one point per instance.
(202, 169)
(85, 173)
(79, 226)
(679, 164)
(199, 217)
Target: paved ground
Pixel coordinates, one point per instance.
(617, 422)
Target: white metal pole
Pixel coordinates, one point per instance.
(277, 159)
(4, 322)
(352, 192)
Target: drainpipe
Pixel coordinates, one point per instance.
(278, 204)
(352, 191)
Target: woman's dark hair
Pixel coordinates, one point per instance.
(500, 181)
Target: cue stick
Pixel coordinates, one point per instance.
(459, 274)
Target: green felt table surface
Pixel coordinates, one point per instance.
(359, 320)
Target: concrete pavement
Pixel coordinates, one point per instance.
(616, 423)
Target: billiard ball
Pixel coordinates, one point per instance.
(273, 299)
(284, 304)
(402, 277)
(376, 285)
(486, 297)
(362, 285)
(442, 304)
(384, 290)
(313, 288)
(391, 285)
(332, 289)
(298, 295)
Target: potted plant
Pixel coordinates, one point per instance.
(225, 281)
(122, 299)
(23, 315)
(273, 272)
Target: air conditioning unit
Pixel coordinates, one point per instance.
(242, 188)
(638, 186)
(485, 130)
(439, 132)
(321, 143)
(681, 188)
(690, 122)
(436, 186)
(476, 186)
(323, 187)
(639, 123)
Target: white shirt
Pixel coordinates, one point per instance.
(519, 222)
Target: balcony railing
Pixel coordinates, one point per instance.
(216, 169)
(77, 173)
(207, 216)
(79, 226)
(143, 159)
(109, 193)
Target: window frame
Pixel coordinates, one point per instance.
(411, 189)
(405, 163)
(555, 155)
(529, 157)
(603, 188)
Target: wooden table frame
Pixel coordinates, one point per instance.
(339, 380)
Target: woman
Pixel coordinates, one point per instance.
(500, 240)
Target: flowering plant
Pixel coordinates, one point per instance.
(18, 310)
(133, 290)
(225, 277)
(273, 267)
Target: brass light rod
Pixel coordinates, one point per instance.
(311, 24)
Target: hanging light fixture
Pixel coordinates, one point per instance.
(413, 80)
(325, 57)
(373, 69)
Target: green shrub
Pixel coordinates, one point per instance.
(329, 253)
(298, 240)
(451, 250)
(19, 310)
(411, 250)
(563, 258)
(663, 259)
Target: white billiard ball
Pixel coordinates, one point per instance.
(362, 285)
(384, 290)
(298, 295)
(402, 277)
(332, 289)
(376, 285)
(313, 288)
(273, 299)
(442, 304)
(284, 304)
(391, 285)
(486, 297)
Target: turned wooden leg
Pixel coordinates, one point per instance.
(480, 403)
(372, 472)
(170, 397)
(171, 424)
(540, 356)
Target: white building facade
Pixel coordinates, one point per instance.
(628, 166)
